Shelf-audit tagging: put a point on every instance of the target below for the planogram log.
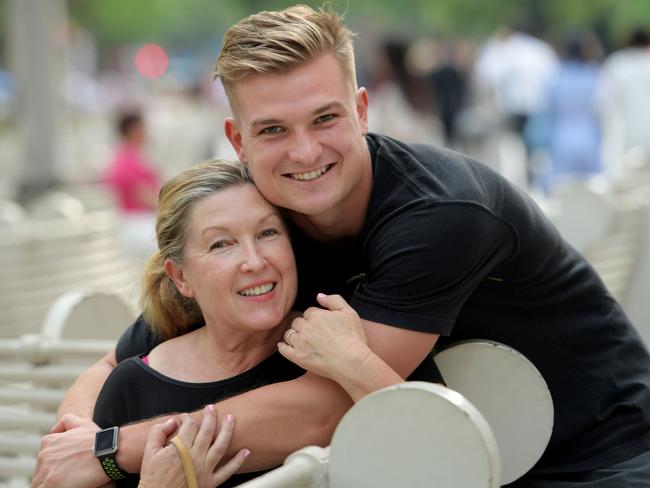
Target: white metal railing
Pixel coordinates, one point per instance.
(306, 468)
(36, 349)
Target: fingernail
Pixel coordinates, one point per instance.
(170, 420)
(211, 407)
(246, 453)
(229, 418)
(321, 295)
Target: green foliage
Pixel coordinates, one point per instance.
(188, 22)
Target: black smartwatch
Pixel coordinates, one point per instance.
(105, 449)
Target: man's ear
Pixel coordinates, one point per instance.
(175, 273)
(235, 137)
(362, 109)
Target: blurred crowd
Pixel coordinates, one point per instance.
(540, 112)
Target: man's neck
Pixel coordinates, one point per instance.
(344, 223)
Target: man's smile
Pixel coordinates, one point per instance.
(310, 175)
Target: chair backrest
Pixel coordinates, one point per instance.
(509, 392)
(11, 213)
(583, 212)
(87, 314)
(414, 434)
(635, 302)
(55, 204)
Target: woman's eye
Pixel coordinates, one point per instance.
(219, 245)
(269, 233)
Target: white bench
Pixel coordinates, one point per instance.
(42, 259)
(420, 434)
(36, 370)
(414, 434)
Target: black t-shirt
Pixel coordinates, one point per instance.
(134, 391)
(451, 247)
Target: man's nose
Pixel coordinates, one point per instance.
(305, 148)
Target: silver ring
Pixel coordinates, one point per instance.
(287, 336)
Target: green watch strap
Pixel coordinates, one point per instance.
(111, 468)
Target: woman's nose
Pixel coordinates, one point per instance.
(253, 260)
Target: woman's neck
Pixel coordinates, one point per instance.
(212, 353)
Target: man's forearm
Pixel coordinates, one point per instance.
(278, 419)
(272, 421)
(81, 397)
(370, 373)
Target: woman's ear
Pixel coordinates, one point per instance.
(175, 273)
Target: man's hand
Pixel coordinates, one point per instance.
(66, 459)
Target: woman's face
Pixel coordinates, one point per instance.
(238, 263)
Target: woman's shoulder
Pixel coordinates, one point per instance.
(165, 357)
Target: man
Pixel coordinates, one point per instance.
(424, 243)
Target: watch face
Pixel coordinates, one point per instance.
(106, 442)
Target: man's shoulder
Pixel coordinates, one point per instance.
(390, 148)
(409, 175)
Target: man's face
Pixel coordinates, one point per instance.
(302, 135)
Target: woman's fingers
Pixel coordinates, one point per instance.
(159, 433)
(187, 431)
(206, 432)
(220, 445)
(230, 468)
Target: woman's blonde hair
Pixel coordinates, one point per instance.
(169, 313)
(278, 41)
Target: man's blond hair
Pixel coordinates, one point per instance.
(278, 41)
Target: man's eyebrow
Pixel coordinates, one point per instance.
(259, 122)
(327, 107)
(318, 111)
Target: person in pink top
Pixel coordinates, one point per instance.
(132, 178)
(135, 182)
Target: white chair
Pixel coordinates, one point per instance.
(54, 204)
(11, 213)
(87, 314)
(509, 392)
(414, 434)
(582, 211)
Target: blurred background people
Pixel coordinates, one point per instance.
(134, 182)
(513, 68)
(567, 126)
(626, 104)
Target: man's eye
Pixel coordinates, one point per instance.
(325, 118)
(275, 129)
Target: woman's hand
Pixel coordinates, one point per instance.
(327, 341)
(206, 452)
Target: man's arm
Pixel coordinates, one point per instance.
(272, 421)
(331, 342)
(275, 420)
(80, 398)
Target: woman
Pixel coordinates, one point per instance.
(225, 260)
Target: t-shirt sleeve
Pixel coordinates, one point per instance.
(137, 339)
(426, 260)
(113, 402)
